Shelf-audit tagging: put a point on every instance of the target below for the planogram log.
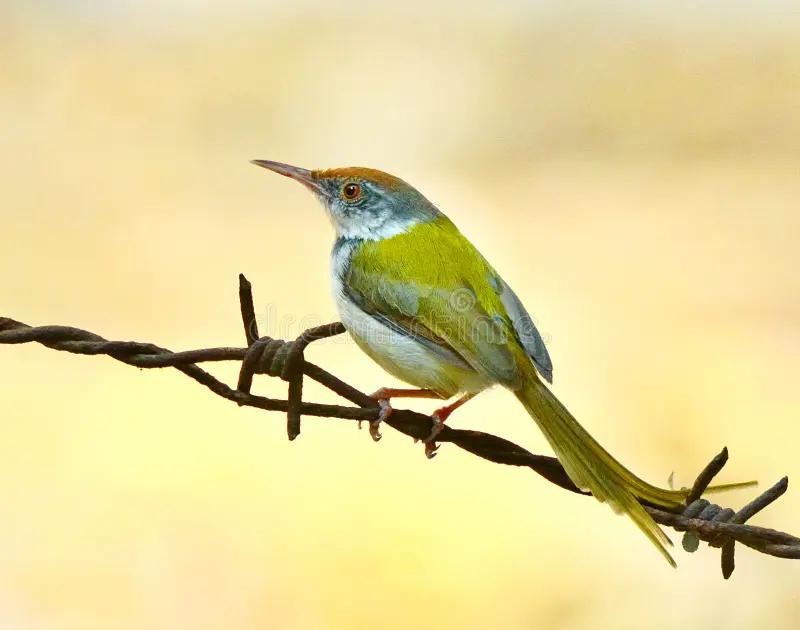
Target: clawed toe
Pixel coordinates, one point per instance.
(374, 425)
(374, 430)
(430, 449)
(430, 442)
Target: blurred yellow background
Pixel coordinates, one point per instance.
(633, 171)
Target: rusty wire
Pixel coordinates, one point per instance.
(700, 519)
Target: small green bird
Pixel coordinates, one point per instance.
(425, 305)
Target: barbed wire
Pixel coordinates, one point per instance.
(700, 519)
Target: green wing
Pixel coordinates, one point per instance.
(431, 283)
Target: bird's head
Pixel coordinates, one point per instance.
(362, 202)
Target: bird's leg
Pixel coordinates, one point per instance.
(384, 396)
(439, 416)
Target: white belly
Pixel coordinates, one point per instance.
(402, 356)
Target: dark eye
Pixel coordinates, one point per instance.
(351, 191)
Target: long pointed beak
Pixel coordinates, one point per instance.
(302, 175)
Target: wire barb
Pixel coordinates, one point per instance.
(700, 519)
(707, 475)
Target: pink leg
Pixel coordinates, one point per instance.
(384, 396)
(439, 417)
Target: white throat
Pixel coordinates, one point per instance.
(373, 230)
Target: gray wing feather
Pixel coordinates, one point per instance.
(407, 306)
(526, 330)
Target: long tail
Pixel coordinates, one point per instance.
(592, 468)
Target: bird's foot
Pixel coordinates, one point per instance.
(385, 412)
(430, 442)
(438, 418)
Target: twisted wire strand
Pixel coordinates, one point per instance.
(700, 519)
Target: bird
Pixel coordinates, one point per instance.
(420, 300)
